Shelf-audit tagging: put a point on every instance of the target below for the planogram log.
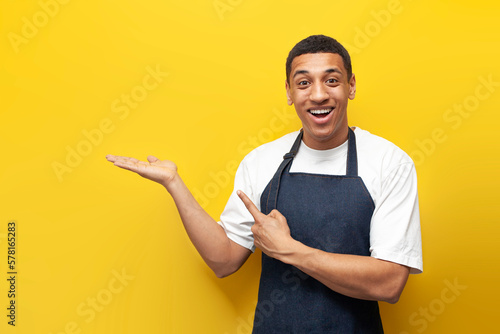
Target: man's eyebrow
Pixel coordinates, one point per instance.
(330, 70)
(333, 70)
(300, 72)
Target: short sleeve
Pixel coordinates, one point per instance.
(235, 219)
(395, 227)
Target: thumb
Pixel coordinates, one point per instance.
(152, 158)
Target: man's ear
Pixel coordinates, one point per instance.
(288, 94)
(352, 87)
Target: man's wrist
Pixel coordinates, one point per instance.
(172, 183)
(294, 253)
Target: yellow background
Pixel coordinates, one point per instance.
(224, 94)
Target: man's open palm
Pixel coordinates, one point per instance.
(161, 171)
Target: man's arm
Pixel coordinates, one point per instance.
(361, 277)
(220, 253)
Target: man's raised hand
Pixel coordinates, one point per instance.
(161, 171)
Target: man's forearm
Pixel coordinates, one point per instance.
(361, 277)
(221, 254)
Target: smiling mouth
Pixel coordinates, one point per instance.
(320, 112)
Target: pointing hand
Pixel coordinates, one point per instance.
(271, 232)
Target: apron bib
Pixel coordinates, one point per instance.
(327, 212)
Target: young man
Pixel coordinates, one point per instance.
(334, 209)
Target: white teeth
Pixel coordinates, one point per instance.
(320, 111)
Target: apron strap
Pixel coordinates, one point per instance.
(274, 185)
(352, 156)
(295, 146)
(351, 170)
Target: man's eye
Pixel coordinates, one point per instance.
(332, 80)
(302, 83)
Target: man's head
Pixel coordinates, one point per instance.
(318, 44)
(319, 84)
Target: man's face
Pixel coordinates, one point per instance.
(319, 88)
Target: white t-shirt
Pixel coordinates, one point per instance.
(388, 173)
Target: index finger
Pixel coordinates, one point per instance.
(254, 211)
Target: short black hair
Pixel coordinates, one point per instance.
(318, 44)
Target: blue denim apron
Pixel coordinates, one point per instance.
(327, 212)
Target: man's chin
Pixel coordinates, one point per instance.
(324, 138)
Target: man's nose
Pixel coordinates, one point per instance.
(318, 93)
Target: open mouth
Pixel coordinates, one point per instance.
(320, 112)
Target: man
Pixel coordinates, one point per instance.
(334, 209)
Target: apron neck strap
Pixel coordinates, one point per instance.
(352, 157)
(274, 184)
(295, 146)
